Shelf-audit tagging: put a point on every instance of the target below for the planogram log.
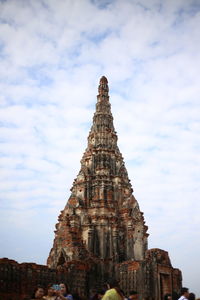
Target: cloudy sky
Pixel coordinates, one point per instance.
(52, 55)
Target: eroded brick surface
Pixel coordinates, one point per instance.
(19, 280)
(101, 232)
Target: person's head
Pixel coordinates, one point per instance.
(100, 294)
(191, 296)
(50, 290)
(175, 295)
(168, 297)
(133, 295)
(64, 289)
(38, 292)
(185, 292)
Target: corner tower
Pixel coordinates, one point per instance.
(101, 221)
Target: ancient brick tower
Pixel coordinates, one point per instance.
(101, 232)
(102, 218)
(102, 225)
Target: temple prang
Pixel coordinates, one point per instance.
(102, 223)
(101, 220)
(101, 232)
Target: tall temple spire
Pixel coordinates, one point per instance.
(101, 220)
(102, 135)
(101, 233)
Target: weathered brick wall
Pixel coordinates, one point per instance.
(164, 278)
(127, 274)
(176, 280)
(18, 281)
(152, 278)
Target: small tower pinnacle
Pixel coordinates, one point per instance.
(103, 88)
(103, 80)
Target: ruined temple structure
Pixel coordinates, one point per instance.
(102, 225)
(101, 232)
(101, 221)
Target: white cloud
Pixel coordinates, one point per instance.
(52, 56)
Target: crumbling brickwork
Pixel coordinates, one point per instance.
(163, 277)
(102, 222)
(17, 281)
(101, 232)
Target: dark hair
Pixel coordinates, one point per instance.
(133, 293)
(35, 290)
(100, 292)
(166, 296)
(66, 286)
(191, 296)
(175, 295)
(184, 290)
(122, 292)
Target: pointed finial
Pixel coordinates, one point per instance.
(103, 86)
(103, 80)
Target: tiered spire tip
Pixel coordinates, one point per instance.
(103, 88)
(103, 80)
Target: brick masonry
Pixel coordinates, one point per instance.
(101, 232)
